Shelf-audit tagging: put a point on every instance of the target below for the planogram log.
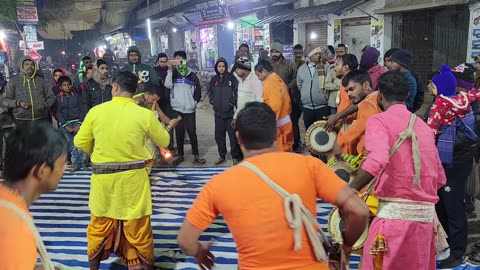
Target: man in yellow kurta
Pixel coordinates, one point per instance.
(114, 134)
(275, 94)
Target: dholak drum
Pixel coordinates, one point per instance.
(336, 226)
(346, 168)
(318, 140)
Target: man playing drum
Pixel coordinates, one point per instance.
(358, 86)
(267, 234)
(401, 236)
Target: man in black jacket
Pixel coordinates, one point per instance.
(97, 89)
(222, 91)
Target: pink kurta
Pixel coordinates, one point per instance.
(410, 244)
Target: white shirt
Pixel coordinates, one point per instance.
(249, 89)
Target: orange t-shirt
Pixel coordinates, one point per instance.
(255, 214)
(352, 140)
(17, 242)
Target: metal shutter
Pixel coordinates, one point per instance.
(316, 35)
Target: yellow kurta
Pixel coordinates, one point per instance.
(116, 131)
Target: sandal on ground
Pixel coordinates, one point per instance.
(179, 160)
(220, 161)
(199, 160)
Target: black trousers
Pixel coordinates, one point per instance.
(222, 126)
(295, 117)
(311, 116)
(451, 209)
(187, 123)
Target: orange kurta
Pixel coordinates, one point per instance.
(257, 220)
(275, 94)
(17, 245)
(343, 103)
(352, 140)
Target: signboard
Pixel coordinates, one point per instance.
(27, 14)
(30, 32)
(213, 12)
(475, 45)
(26, 2)
(34, 55)
(36, 45)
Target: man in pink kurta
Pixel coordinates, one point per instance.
(409, 242)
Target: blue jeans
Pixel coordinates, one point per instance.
(79, 157)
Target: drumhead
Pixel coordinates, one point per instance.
(344, 170)
(336, 226)
(318, 140)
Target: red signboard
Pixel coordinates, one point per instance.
(34, 55)
(27, 14)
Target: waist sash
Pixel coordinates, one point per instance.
(404, 209)
(114, 167)
(409, 210)
(283, 121)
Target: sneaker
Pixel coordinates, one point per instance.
(474, 257)
(450, 262)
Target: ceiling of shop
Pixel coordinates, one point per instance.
(61, 17)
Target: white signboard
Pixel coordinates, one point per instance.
(36, 45)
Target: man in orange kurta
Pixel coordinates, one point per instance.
(345, 109)
(358, 87)
(275, 94)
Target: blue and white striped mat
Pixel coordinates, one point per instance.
(62, 217)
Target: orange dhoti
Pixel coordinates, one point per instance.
(284, 137)
(131, 240)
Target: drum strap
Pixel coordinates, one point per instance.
(403, 136)
(297, 215)
(42, 251)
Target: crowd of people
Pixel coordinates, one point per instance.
(416, 167)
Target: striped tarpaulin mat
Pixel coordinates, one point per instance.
(62, 217)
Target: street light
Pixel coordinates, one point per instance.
(313, 35)
(149, 29)
(174, 29)
(2, 35)
(230, 25)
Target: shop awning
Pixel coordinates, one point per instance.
(335, 7)
(392, 6)
(248, 21)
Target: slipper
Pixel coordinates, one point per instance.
(220, 161)
(179, 160)
(199, 160)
